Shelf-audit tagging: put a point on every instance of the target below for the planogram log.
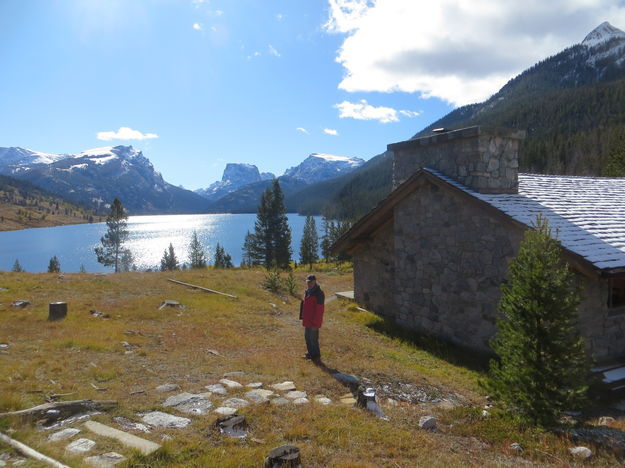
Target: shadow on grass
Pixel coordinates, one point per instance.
(445, 350)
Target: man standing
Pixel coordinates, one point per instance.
(312, 316)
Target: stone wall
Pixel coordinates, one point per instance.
(374, 271)
(604, 333)
(451, 257)
(482, 158)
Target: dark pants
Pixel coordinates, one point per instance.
(312, 342)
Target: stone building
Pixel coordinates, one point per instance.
(433, 254)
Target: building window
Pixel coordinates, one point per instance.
(616, 298)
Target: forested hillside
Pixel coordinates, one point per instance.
(22, 205)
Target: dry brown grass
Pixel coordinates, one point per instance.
(259, 334)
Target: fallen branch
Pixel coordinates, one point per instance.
(51, 412)
(29, 452)
(202, 288)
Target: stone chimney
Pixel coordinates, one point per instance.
(484, 159)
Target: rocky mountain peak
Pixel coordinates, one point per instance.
(320, 166)
(601, 34)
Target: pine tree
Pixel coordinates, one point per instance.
(127, 261)
(542, 366)
(310, 243)
(169, 262)
(17, 267)
(112, 242)
(54, 266)
(249, 257)
(270, 245)
(196, 253)
(222, 259)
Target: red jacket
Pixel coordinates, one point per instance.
(313, 307)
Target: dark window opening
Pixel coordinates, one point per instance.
(616, 296)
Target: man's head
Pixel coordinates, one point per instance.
(311, 281)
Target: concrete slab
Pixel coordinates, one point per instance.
(144, 446)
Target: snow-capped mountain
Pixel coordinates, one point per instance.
(319, 167)
(235, 176)
(95, 177)
(603, 33)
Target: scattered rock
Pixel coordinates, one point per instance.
(106, 460)
(170, 303)
(428, 423)
(212, 351)
(581, 452)
(166, 437)
(444, 404)
(234, 374)
(485, 414)
(132, 332)
(160, 419)
(225, 410)
(189, 403)
(4, 346)
(236, 403)
(301, 401)
(64, 434)
(515, 447)
(347, 379)
(217, 388)
(81, 445)
(279, 401)
(144, 446)
(254, 385)
(606, 420)
(95, 313)
(130, 425)
(169, 387)
(323, 400)
(284, 386)
(605, 437)
(348, 400)
(392, 402)
(20, 303)
(233, 425)
(292, 395)
(230, 383)
(258, 396)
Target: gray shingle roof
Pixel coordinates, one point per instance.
(586, 214)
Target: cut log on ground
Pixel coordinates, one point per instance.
(29, 452)
(202, 288)
(51, 412)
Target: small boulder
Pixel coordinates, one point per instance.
(279, 401)
(606, 420)
(230, 383)
(284, 386)
(301, 401)
(64, 434)
(581, 452)
(258, 396)
(169, 387)
(20, 303)
(189, 403)
(322, 400)
(219, 389)
(105, 460)
(81, 445)
(236, 402)
(295, 394)
(160, 419)
(254, 385)
(515, 447)
(428, 423)
(225, 410)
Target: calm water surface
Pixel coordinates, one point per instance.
(148, 237)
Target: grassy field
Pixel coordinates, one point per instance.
(258, 334)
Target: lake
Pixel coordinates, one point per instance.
(148, 238)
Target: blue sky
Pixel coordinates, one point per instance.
(199, 83)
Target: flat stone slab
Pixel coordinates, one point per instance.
(259, 396)
(345, 295)
(64, 434)
(160, 419)
(144, 446)
(170, 387)
(81, 445)
(225, 410)
(236, 403)
(348, 401)
(230, 383)
(219, 389)
(284, 386)
(295, 394)
(280, 401)
(189, 403)
(130, 425)
(301, 401)
(106, 460)
(254, 385)
(323, 400)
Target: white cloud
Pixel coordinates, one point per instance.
(461, 51)
(330, 131)
(279, 16)
(303, 130)
(125, 133)
(273, 51)
(197, 26)
(362, 110)
(219, 12)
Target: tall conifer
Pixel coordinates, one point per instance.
(310, 243)
(113, 240)
(542, 368)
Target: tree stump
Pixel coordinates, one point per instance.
(57, 311)
(285, 456)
